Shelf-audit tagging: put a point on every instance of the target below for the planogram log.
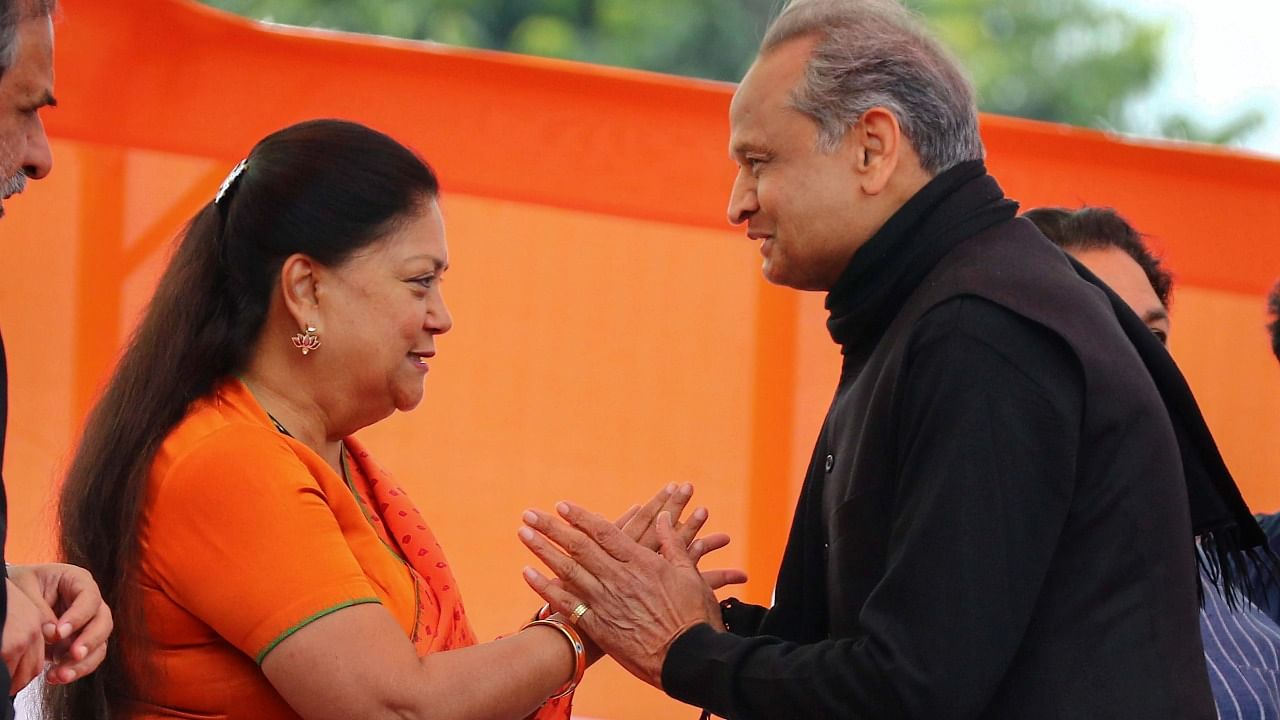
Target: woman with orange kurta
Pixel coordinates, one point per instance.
(261, 564)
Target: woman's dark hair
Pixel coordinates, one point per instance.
(1273, 308)
(1097, 228)
(324, 188)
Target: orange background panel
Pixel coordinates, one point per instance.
(612, 332)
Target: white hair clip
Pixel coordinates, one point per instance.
(231, 178)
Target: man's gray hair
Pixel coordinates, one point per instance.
(12, 13)
(876, 53)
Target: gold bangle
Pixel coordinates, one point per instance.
(579, 654)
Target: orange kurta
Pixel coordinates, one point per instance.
(247, 535)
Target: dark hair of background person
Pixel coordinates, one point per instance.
(1273, 307)
(12, 12)
(323, 188)
(1098, 228)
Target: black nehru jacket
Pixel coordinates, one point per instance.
(994, 523)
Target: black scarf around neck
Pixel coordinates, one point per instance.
(960, 203)
(956, 205)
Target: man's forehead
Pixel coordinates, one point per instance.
(772, 78)
(30, 76)
(35, 44)
(40, 41)
(1122, 273)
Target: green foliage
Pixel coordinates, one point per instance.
(1062, 60)
(1181, 126)
(707, 38)
(1071, 61)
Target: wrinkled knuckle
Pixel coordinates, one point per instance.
(575, 545)
(570, 573)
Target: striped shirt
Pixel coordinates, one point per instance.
(1242, 651)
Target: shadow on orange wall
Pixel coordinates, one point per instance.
(612, 332)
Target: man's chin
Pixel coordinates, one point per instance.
(777, 275)
(769, 269)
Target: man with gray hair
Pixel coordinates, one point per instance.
(994, 523)
(51, 612)
(27, 76)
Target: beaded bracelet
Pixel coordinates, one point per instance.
(579, 653)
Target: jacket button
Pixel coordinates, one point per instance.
(831, 461)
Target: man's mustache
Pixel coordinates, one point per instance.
(13, 185)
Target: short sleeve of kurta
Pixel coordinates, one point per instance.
(241, 535)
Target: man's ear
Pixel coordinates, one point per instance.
(878, 144)
(298, 286)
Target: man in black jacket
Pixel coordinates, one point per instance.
(50, 611)
(995, 522)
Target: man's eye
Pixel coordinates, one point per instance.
(425, 281)
(1161, 335)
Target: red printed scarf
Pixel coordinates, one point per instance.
(441, 619)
